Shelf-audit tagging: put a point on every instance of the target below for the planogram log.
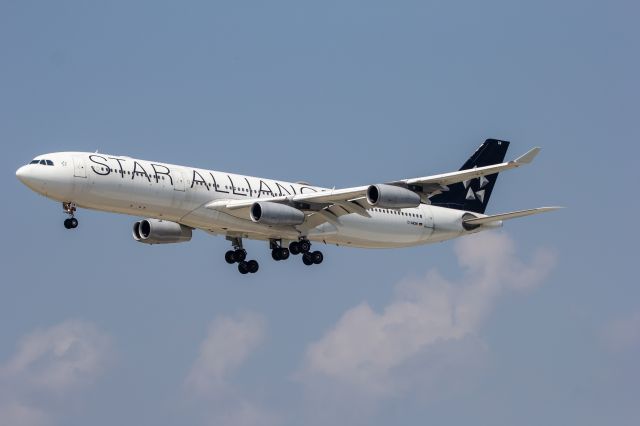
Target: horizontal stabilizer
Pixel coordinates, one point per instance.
(506, 216)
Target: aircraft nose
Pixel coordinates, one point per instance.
(21, 173)
(25, 175)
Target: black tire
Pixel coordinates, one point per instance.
(73, 222)
(243, 267)
(230, 257)
(318, 257)
(294, 248)
(67, 223)
(305, 246)
(275, 254)
(253, 266)
(240, 255)
(307, 259)
(283, 253)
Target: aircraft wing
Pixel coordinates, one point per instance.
(431, 185)
(337, 202)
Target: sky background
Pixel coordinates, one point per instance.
(538, 323)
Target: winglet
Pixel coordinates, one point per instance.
(529, 156)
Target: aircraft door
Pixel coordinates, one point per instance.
(178, 181)
(78, 167)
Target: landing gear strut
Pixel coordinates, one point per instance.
(277, 251)
(238, 255)
(70, 209)
(308, 257)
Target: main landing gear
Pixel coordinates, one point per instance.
(277, 251)
(239, 255)
(308, 257)
(70, 209)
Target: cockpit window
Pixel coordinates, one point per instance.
(43, 162)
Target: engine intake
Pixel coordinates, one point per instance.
(392, 197)
(155, 231)
(275, 214)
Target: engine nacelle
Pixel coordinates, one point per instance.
(392, 197)
(154, 231)
(276, 214)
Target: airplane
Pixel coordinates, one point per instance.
(289, 216)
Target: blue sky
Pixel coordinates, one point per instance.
(97, 329)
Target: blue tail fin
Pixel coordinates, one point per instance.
(473, 195)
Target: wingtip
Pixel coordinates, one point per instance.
(529, 155)
(549, 209)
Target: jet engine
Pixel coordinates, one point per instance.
(275, 214)
(392, 197)
(154, 231)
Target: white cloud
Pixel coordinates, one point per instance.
(427, 330)
(228, 344)
(49, 365)
(59, 358)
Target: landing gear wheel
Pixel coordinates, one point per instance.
(280, 253)
(317, 257)
(71, 223)
(275, 254)
(294, 248)
(240, 255)
(307, 259)
(243, 267)
(305, 246)
(283, 253)
(230, 257)
(253, 266)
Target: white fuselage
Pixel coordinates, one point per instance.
(179, 194)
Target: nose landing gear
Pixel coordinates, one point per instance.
(70, 209)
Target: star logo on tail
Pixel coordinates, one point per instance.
(479, 194)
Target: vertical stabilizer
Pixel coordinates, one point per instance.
(473, 195)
